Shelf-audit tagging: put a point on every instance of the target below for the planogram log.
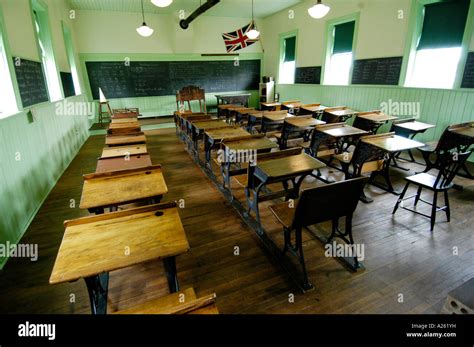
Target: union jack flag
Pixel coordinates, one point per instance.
(238, 39)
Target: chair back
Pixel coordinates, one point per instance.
(449, 165)
(328, 202)
(365, 153)
(188, 94)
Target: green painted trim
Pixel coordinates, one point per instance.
(329, 42)
(71, 54)
(281, 38)
(468, 33)
(44, 19)
(9, 58)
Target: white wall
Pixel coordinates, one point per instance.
(114, 32)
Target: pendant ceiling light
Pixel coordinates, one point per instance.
(144, 30)
(319, 10)
(161, 3)
(254, 33)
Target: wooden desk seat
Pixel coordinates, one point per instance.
(183, 302)
(318, 205)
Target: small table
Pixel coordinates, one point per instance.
(198, 128)
(94, 246)
(392, 144)
(337, 114)
(242, 99)
(284, 170)
(270, 106)
(129, 139)
(123, 151)
(467, 132)
(410, 130)
(111, 189)
(123, 163)
(123, 128)
(250, 146)
(213, 137)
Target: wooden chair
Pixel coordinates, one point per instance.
(448, 141)
(188, 94)
(449, 164)
(317, 205)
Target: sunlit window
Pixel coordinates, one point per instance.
(47, 57)
(439, 46)
(338, 66)
(8, 104)
(339, 69)
(288, 62)
(435, 68)
(287, 72)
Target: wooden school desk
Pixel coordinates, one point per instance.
(281, 169)
(315, 110)
(410, 130)
(466, 132)
(123, 128)
(297, 127)
(255, 118)
(93, 246)
(233, 112)
(213, 137)
(392, 144)
(341, 133)
(270, 106)
(122, 151)
(373, 120)
(337, 114)
(126, 139)
(111, 189)
(303, 122)
(222, 109)
(123, 163)
(198, 128)
(184, 126)
(250, 145)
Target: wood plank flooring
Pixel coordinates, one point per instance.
(402, 255)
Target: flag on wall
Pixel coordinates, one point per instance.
(238, 39)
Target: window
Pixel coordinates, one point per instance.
(70, 56)
(439, 47)
(8, 104)
(41, 22)
(340, 60)
(288, 63)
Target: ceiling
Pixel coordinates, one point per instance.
(226, 8)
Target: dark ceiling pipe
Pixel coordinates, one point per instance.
(184, 23)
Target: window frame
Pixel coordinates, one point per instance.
(329, 44)
(414, 33)
(71, 58)
(282, 37)
(40, 6)
(11, 69)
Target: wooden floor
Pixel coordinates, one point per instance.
(401, 255)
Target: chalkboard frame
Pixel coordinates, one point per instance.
(318, 74)
(17, 68)
(169, 59)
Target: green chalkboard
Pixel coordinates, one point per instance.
(153, 78)
(31, 81)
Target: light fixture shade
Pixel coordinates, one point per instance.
(145, 30)
(253, 34)
(318, 11)
(162, 3)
